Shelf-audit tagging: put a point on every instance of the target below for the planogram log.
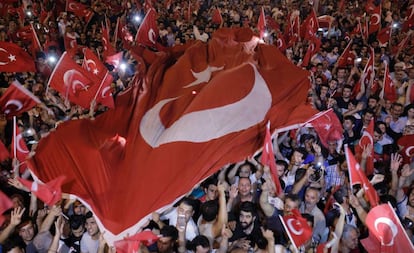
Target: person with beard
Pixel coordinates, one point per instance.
(248, 233)
(77, 228)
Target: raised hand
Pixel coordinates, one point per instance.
(16, 216)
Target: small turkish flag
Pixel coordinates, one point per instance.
(366, 139)
(148, 30)
(328, 126)
(385, 226)
(357, 176)
(19, 148)
(384, 35)
(261, 24)
(17, 100)
(131, 244)
(14, 59)
(268, 158)
(347, 57)
(297, 228)
(50, 193)
(389, 90)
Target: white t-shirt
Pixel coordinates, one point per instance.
(88, 245)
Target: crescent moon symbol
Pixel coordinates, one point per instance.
(212, 123)
(3, 62)
(378, 18)
(408, 150)
(18, 147)
(391, 225)
(151, 35)
(292, 228)
(15, 102)
(105, 91)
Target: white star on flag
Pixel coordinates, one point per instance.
(12, 57)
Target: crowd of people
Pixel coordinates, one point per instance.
(235, 210)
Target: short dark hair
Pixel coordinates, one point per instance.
(248, 207)
(88, 215)
(350, 118)
(199, 240)
(76, 221)
(209, 210)
(169, 231)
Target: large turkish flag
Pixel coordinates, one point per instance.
(180, 123)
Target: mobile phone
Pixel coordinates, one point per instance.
(181, 221)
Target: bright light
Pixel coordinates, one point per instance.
(123, 66)
(137, 18)
(51, 59)
(358, 59)
(29, 13)
(266, 34)
(395, 25)
(194, 92)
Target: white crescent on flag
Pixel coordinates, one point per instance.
(15, 102)
(391, 225)
(211, 123)
(18, 147)
(292, 228)
(377, 19)
(69, 79)
(151, 35)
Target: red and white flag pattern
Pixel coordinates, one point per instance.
(375, 20)
(297, 228)
(50, 193)
(347, 57)
(357, 176)
(17, 100)
(19, 148)
(79, 9)
(268, 159)
(328, 126)
(261, 24)
(181, 116)
(389, 90)
(384, 224)
(148, 30)
(384, 35)
(132, 243)
(367, 139)
(72, 81)
(14, 59)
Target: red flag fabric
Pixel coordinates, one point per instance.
(79, 9)
(367, 139)
(169, 133)
(92, 64)
(406, 144)
(14, 59)
(313, 48)
(50, 193)
(409, 22)
(17, 100)
(19, 148)
(375, 20)
(148, 30)
(357, 176)
(70, 42)
(108, 49)
(216, 18)
(131, 244)
(4, 153)
(25, 33)
(384, 224)
(328, 126)
(297, 228)
(384, 35)
(292, 31)
(268, 158)
(280, 43)
(367, 76)
(325, 21)
(114, 60)
(347, 57)
(310, 24)
(358, 29)
(72, 81)
(36, 46)
(5, 204)
(101, 78)
(261, 23)
(371, 243)
(389, 90)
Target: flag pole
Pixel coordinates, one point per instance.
(348, 163)
(15, 166)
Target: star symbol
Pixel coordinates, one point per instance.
(12, 57)
(328, 126)
(95, 71)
